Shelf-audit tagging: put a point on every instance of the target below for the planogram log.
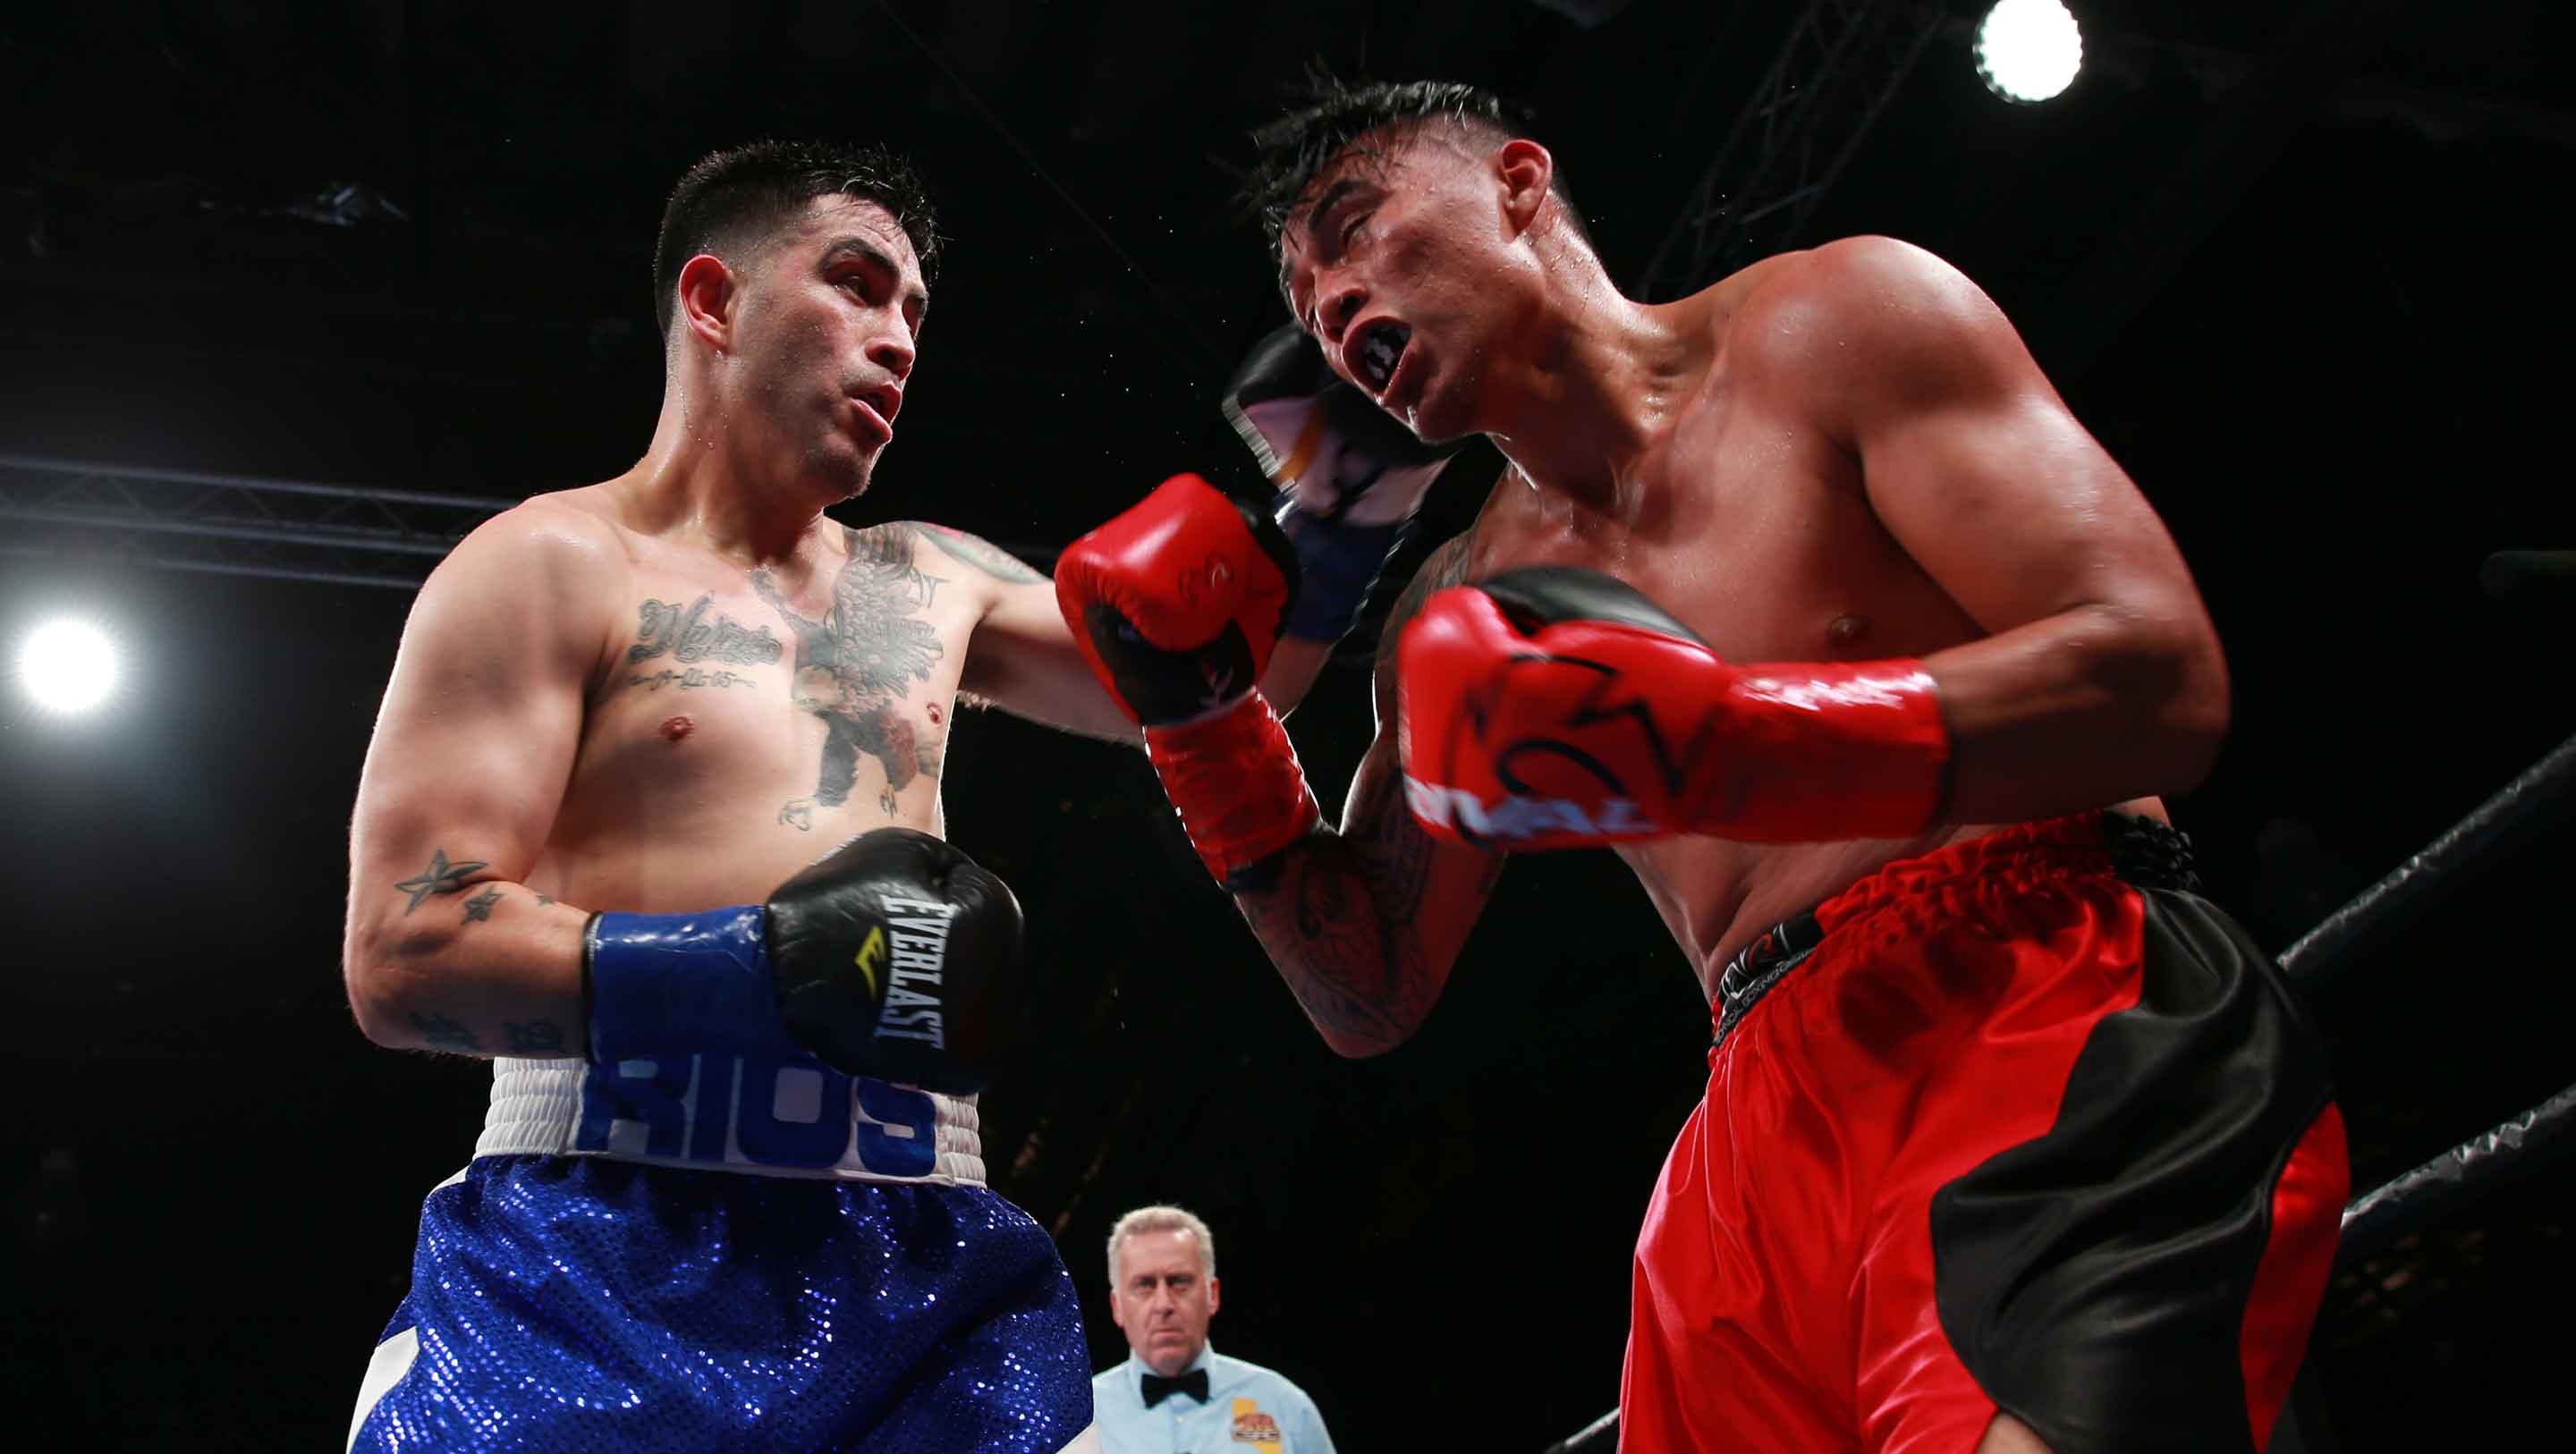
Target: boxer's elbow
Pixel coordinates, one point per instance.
(2197, 724)
(1357, 1030)
(2168, 678)
(382, 1008)
(375, 1002)
(1351, 1045)
(384, 972)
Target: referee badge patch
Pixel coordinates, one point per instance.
(1252, 1426)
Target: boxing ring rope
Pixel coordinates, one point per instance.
(2461, 1175)
(2476, 1167)
(2503, 821)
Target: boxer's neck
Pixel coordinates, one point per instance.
(1598, 386)
(706, 475)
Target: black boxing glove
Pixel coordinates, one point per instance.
(896, 957)
(1350, 477)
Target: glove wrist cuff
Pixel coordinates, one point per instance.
(1235, 780)
(676, 984)
(1836, 750)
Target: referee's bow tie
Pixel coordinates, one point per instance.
(1159, 1388)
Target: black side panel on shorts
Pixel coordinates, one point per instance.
(2094, 1281)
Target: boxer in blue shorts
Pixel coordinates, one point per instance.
(652, 820)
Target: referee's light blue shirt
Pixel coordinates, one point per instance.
(1249, 1410)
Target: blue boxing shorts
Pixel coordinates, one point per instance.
(709, 1252)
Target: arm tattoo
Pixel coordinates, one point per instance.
(1339, 925)
(441, 877)
(1339, 921)
(479, 907)
(855, 663)
(533, 1039)
(980, 553)
(442, 1031)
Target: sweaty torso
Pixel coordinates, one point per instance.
(744, 722)
(1750, 524)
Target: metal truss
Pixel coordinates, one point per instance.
(1841, 64)
(349, 535)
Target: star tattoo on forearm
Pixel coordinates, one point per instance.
(441, 877)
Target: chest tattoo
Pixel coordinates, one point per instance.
(690, 636)
(854, 665)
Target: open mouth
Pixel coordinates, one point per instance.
(1373, 355)
(882, 403)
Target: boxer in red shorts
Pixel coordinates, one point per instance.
(1808, 595)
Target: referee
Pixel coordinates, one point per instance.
(1174, 1394)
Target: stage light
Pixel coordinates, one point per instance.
(2028, 50)
(67, 665)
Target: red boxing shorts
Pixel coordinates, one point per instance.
(2020, 1125)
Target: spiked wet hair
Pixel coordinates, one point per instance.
(1338, 118)
(732, 201)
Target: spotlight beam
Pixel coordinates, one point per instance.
(67, 665)
(2029, 50)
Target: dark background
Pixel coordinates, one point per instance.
(2298, 266)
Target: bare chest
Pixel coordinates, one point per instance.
(1757, 534)
(743, 725)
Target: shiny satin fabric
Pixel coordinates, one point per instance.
(2015, 1132)
(586, 1303)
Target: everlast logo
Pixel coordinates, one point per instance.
(1517, 817)
(919, 939)
(871, 956)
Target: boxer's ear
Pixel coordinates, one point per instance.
(1524, 169)
(707, 292)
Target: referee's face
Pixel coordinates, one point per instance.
(1163, 1299)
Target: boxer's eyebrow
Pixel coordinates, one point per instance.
(1311, 223)
(1324, 205)
(859, 247)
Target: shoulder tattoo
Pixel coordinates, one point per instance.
(980, 553)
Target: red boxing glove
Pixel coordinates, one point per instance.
(1176, 604)
(1235, 781)
(1559, 708)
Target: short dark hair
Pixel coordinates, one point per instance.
(1337, 117)
(740, 195)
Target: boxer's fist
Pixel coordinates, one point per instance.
(1177, 602)
(898, 957)
(1555, 707)
(1349, 476)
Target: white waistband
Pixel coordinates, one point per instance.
(791, 1118)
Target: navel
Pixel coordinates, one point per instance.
(1846, 631)
(675, 728)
